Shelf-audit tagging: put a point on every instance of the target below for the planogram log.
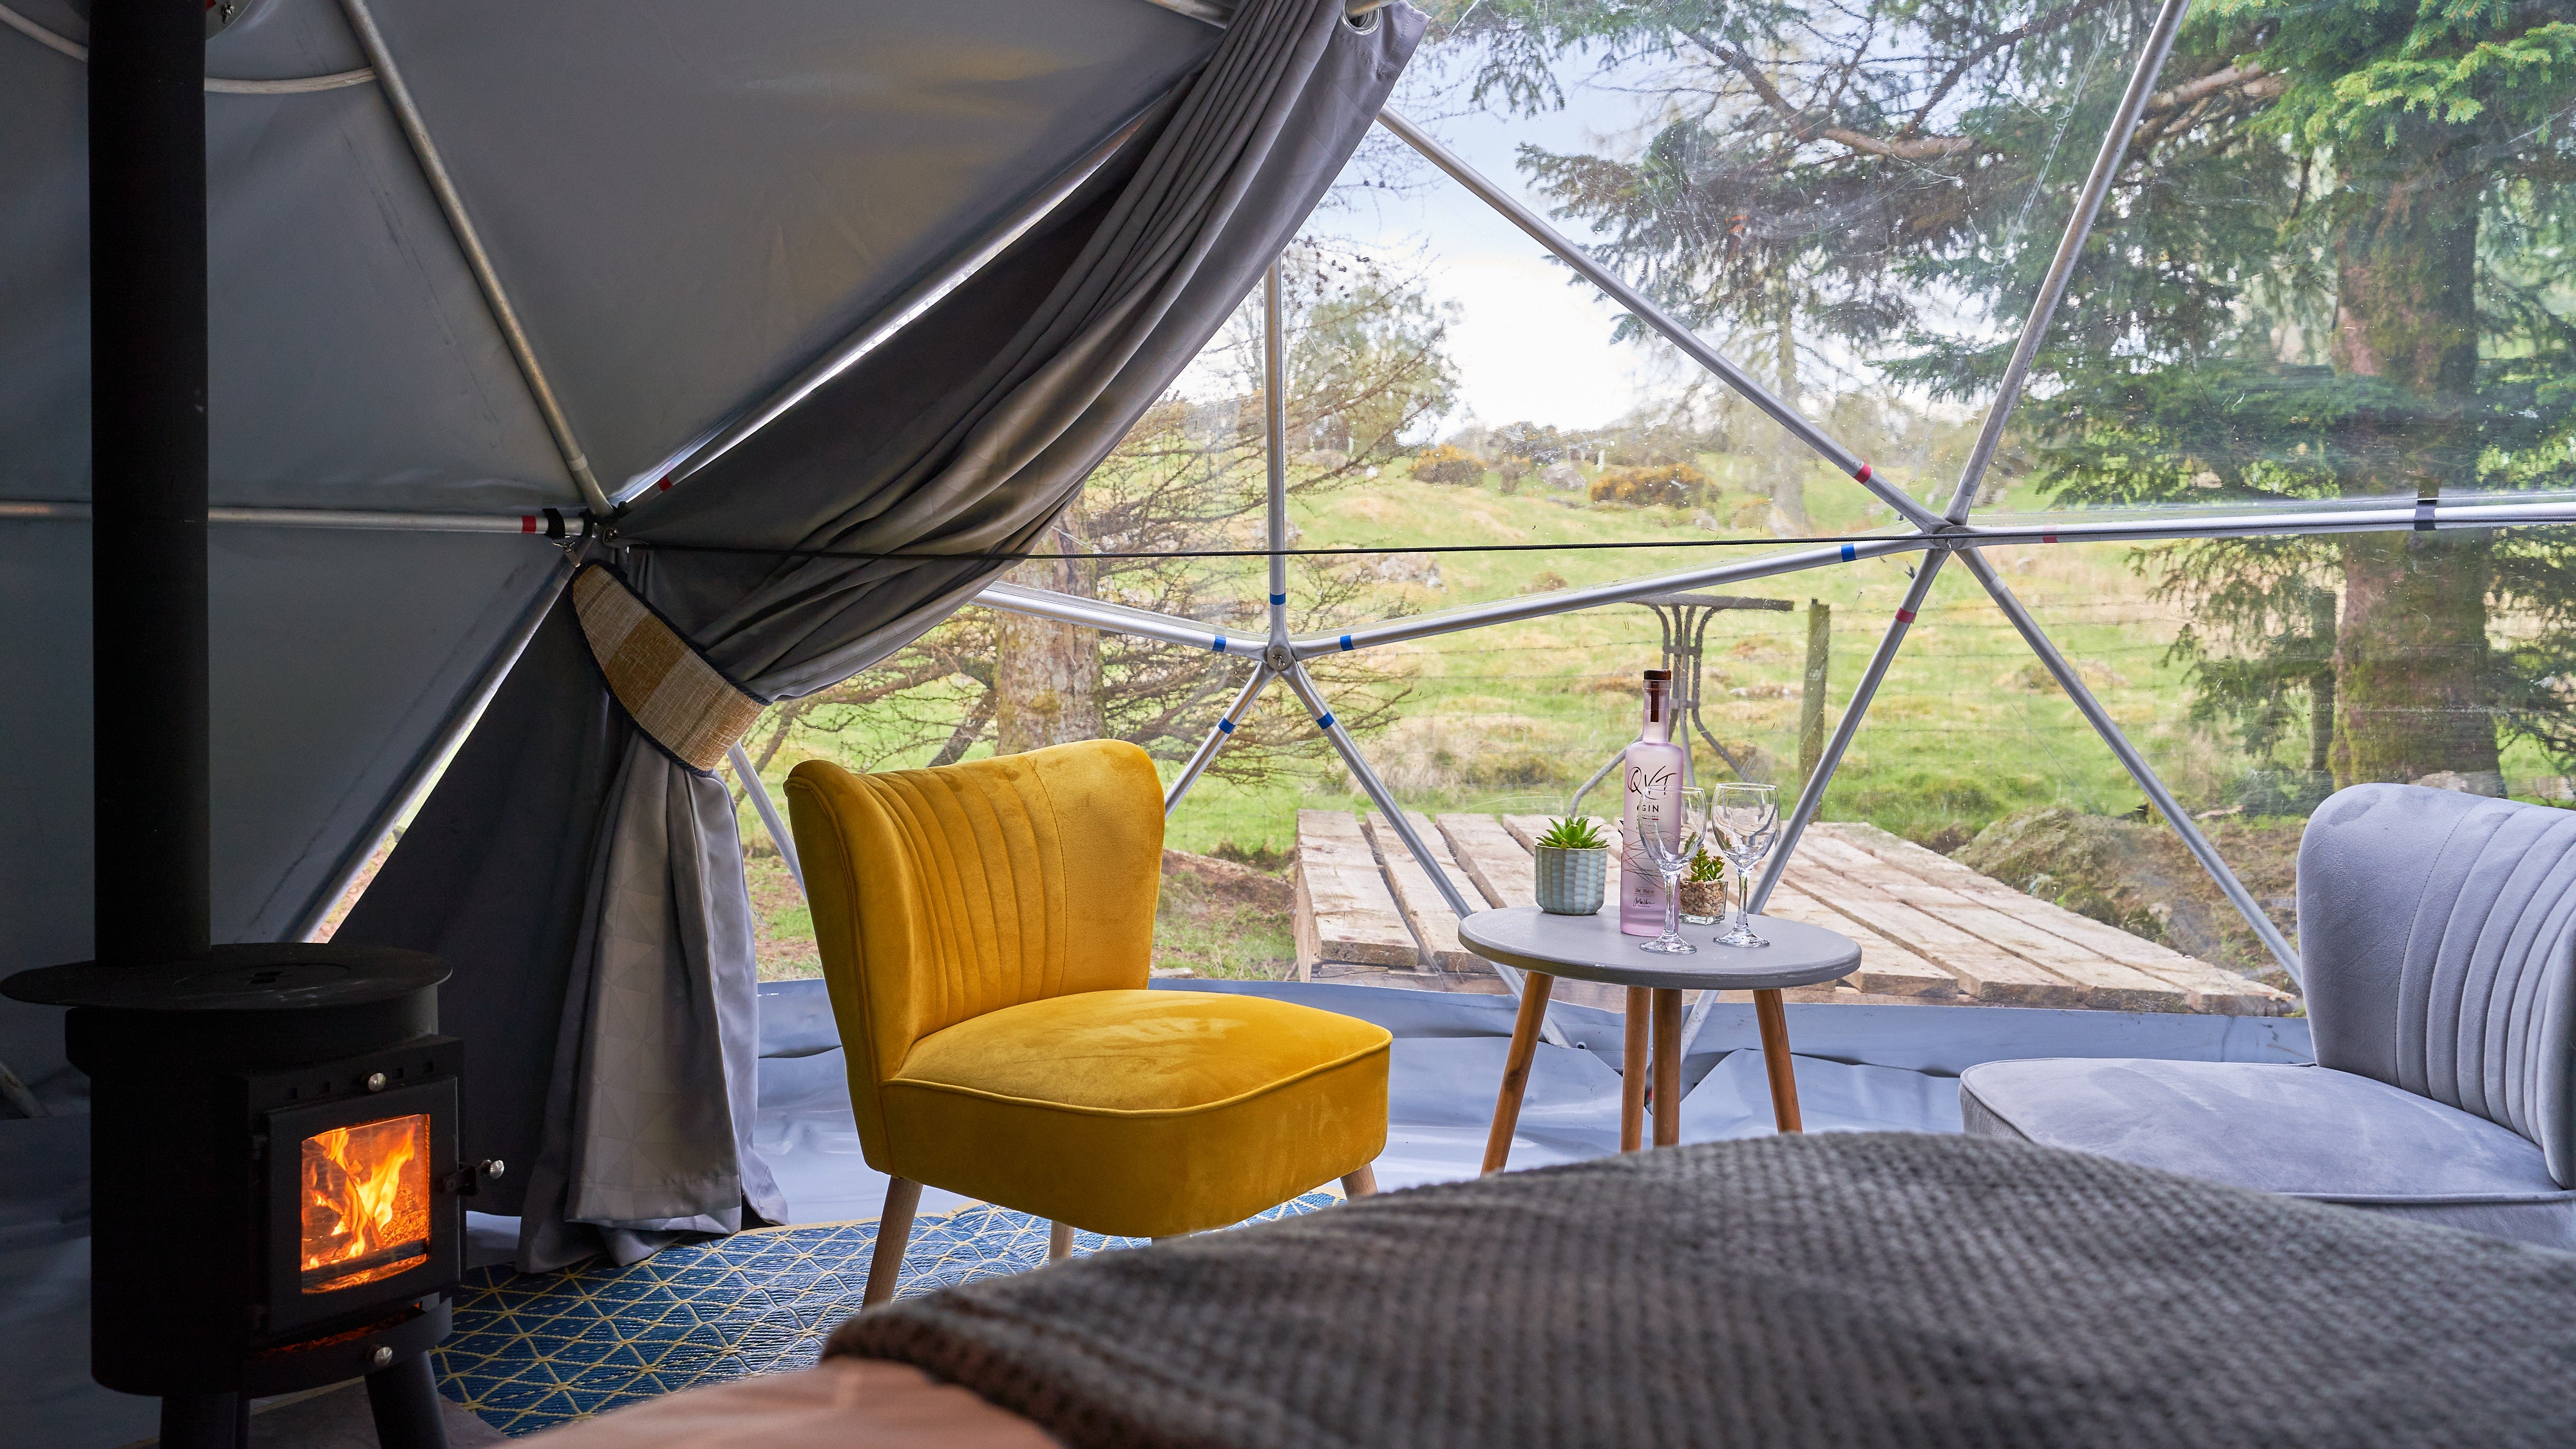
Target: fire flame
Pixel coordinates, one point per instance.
(366, 1202)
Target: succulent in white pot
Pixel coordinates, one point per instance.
(1573, 868)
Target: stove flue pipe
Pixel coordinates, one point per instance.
(208, 1064)
(148, 645)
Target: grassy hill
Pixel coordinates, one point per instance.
(1966, 730)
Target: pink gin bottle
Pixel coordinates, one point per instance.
(1653, 767)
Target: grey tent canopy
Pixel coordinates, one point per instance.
(720, 196)
(485, 279)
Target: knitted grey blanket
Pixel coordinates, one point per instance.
(1879, 1290)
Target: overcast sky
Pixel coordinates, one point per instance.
(1530, 341)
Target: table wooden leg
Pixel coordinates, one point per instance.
(1516, 1068)
(1668, 1067)
(1632, 1072)
(1775, 1058)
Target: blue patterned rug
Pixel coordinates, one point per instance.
(534, 1350)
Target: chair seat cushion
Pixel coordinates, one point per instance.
(1142, 1113)
(2301, 1131)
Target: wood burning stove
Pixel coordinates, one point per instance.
(274, 1191)
(276, 1198)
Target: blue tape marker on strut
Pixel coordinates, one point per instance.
(1324, 723)
(1225, 726)
(1278, 598)
(1850, 553)
(1220, 643)
(1346, 643)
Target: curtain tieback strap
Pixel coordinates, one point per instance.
(666, 686)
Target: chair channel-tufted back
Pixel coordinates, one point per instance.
(943, 894)
(2438, 945)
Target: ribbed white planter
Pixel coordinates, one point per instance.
(1571, 882)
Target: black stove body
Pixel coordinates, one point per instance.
(277, 1202)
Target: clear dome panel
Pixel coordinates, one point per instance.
(1837, 197)
(1452, 384)
(2312, 289)
(1187, 477)
(1982, 819)
(2434, 658)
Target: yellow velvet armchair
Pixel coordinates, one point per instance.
(986, 931)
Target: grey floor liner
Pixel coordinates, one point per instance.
(1859, 1068)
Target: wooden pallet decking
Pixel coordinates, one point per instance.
(1344, 910)
(1435, 926)
(1930, 929)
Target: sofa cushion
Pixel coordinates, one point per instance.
(2301, 1131)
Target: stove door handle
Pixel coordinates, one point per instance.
(468, 1180)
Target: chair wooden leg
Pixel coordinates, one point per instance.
(1775, 1058)
(1362, 1183)
(1059, 1242)
(894, 1231)
(1516, 1068)
(1632, 1072)
(1668, 1067)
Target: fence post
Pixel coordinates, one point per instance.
(1811, 697)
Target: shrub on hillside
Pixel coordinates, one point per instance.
(1445, 464)
(1671, 485)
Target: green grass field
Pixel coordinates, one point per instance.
(1511, 717)
(1967, 728)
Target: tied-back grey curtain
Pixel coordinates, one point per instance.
(585, 887)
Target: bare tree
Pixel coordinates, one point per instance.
(1367, 367)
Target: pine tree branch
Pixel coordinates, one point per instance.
(1808, 127)
(1983, 53)
(2258, 83)
(2172, 112)
(2167, 110)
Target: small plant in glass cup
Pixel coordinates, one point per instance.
(1704, 889)
(1573, 868)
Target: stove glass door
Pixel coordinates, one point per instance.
(364, 1202)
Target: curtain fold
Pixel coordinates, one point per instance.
(965, 434)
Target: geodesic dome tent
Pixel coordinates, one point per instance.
(438, 369)
(484, 281)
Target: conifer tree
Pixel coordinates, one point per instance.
(2336, 264)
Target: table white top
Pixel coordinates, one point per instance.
(1592, 948)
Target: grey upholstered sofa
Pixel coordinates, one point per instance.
(2437, 931)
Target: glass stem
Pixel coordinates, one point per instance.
(1672, 903)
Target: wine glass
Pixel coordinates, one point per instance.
(1668, 845)
(1745, 819)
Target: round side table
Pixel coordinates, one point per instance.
(1592, 948)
